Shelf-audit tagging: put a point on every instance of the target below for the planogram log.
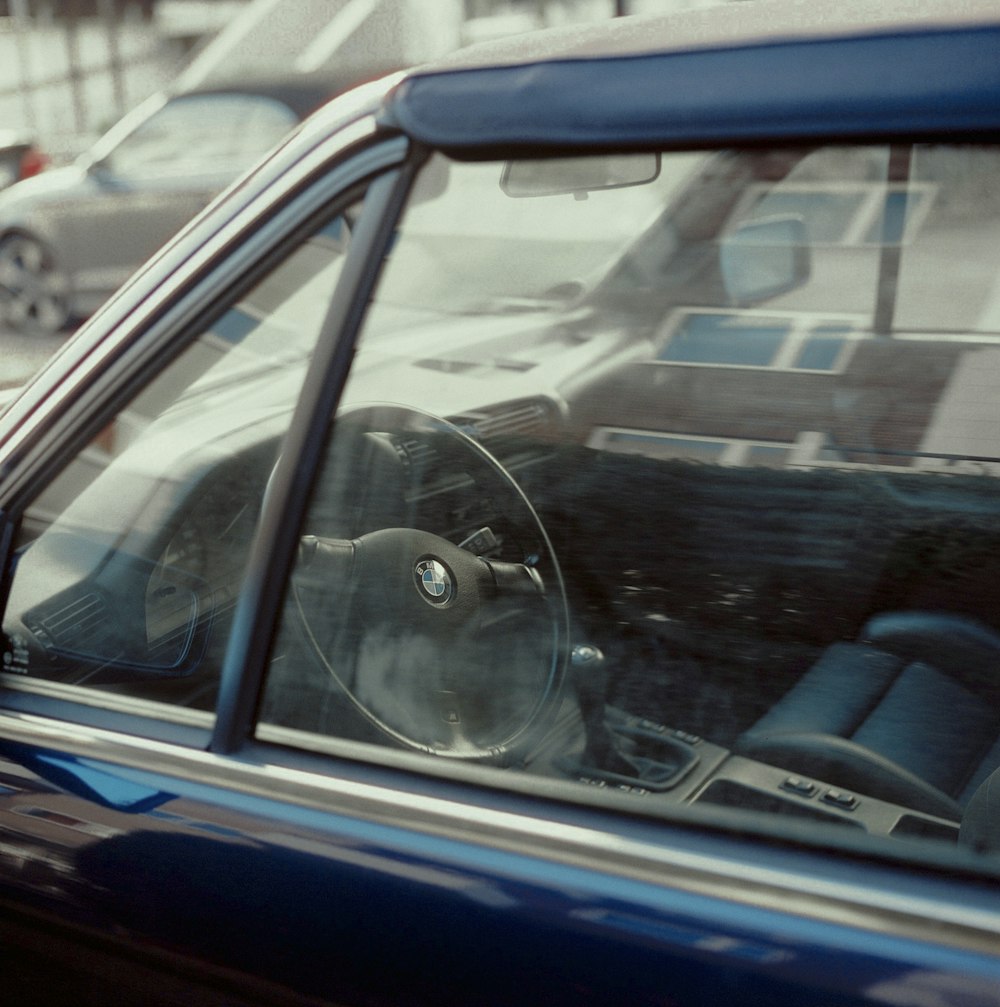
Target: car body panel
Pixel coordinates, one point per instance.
(67, 206)
(262, 866)
(621, 919)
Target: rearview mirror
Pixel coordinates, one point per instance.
(761, 259)
(578, 175)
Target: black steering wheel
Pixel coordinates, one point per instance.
(448, 642)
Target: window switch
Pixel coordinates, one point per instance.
(841, 799)
(796, 785)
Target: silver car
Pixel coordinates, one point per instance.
(72, 235)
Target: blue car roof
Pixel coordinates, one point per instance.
(733, 73)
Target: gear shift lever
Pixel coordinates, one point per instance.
(633, 754)
(590, 679)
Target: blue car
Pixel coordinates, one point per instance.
(533, 540)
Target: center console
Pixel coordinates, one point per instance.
(656, 762)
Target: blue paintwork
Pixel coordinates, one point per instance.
(845, 87)
(331, 904)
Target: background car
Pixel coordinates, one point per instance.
(71, 236)
(533, 540)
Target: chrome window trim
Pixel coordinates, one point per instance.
(795, 884)
(32, 691)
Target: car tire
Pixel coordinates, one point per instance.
(34, 293)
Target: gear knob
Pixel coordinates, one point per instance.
(590, 679)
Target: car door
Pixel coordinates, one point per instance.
(348, 660)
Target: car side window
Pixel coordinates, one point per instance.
(201, 133)
(129, 563)
(674, 477)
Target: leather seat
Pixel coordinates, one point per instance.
(909, 713)
(981, 819)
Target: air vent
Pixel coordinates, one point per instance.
(499, 428)
(73, 626)
(527, 418)
(414, 451)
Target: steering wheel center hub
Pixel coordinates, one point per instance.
(435, 582)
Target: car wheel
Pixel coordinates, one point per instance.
(34, 294)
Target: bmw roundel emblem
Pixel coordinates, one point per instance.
(434, 581)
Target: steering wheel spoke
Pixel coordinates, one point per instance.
(515, 579)
(322, 560)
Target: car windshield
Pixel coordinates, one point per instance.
(191, 134)
(469, 246)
